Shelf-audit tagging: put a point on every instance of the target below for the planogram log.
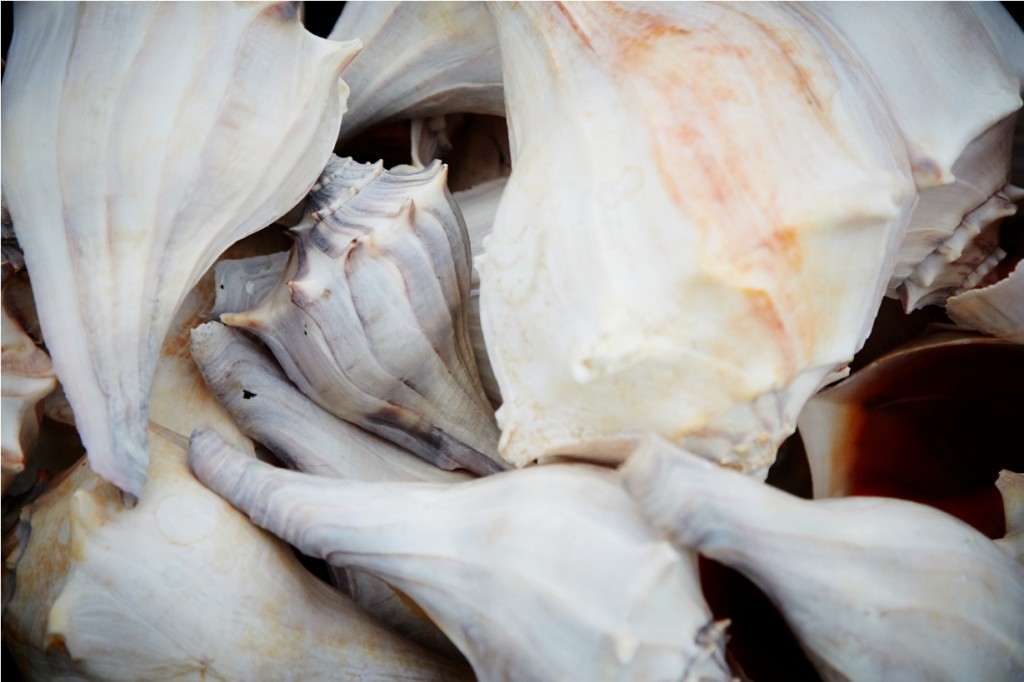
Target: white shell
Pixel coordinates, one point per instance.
(954, 92)
(713, 268)
(242, 283)
(271, 410)
(547, 573)
(369, 318)
(419, 60)
(183, 586)
(27, 379)
(874, 588)
(125, 187)
(180, 584)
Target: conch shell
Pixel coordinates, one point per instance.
(874, 588)
(272, 411)
(713, 268)
(93, 598)
(547, 573)
(419, 60)
(242, 607)
(369, 318)
(956, 110)
(125, 187)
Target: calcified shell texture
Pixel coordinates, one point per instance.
(527, 295)
(138, 148)
(696, 228)
(370, 316)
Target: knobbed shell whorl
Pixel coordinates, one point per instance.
(955, 109)
(270, 409)
(370, 317)
(712, 268)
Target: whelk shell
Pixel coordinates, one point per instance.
(124, 188)
(955, 110)
(713, 269)
(547, 573)
(369, 318)
(875, 588)
(419, 60)
(27, 379)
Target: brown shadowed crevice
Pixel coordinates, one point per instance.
(791, 471)
(320, 17)
(388, 142)
(759, 640)
(938, 430)
(893, 327)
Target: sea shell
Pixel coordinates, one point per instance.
(933, 421)
(276, 414)
(244, 283)
(956, 110)
(479, 206)
(542, 574)
(713, 268)
(180, 584)
(997, 309)
(27, 379)
(125, 187)
(874, 588)
(369, 319)
(271, 410)
(419, 60)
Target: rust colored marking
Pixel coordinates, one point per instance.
(800, 77)
(763, 309)
(580, 33)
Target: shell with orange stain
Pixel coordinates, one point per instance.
(738, 190)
